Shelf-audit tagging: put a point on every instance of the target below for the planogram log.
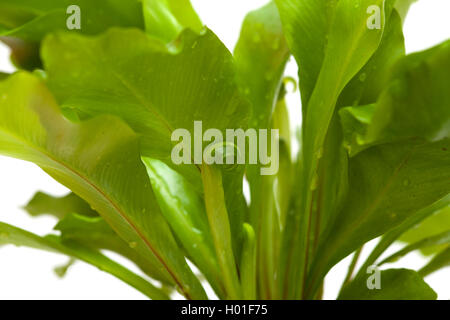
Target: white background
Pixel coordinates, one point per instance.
(27, 273)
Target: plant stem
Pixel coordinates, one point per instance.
(220, 228)
(266, 240)
(352, 266)
(248, 264)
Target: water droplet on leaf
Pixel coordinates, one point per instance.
(133, 244)
(362, 77)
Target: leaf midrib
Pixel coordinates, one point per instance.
(359, 221)
(45, 154)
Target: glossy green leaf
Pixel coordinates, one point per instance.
(396, 284)
(365, 87)
(415, 71)
(344, 56)
(355, 121)
(59, 207)
(280, 116)
(387, 184)
(99, 160)
(248, 264)
(439, 239)
(13, 15)
(146, 94)
(374, 141)
(34, 20)
(440, 261)
(165, 19)
(272, 208)
(261, 55)
(432, 226)
(28, 22)
(371, 80)
(19, 237)
(306, 25)
(403, 6)
(220, 229)
(283, 183)
(401, 111)
(168, 89)
(332, 186)
(390, 237)
(405, 109)
(95, 233)
(79, 222)
(265, 219)
(185, 212)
